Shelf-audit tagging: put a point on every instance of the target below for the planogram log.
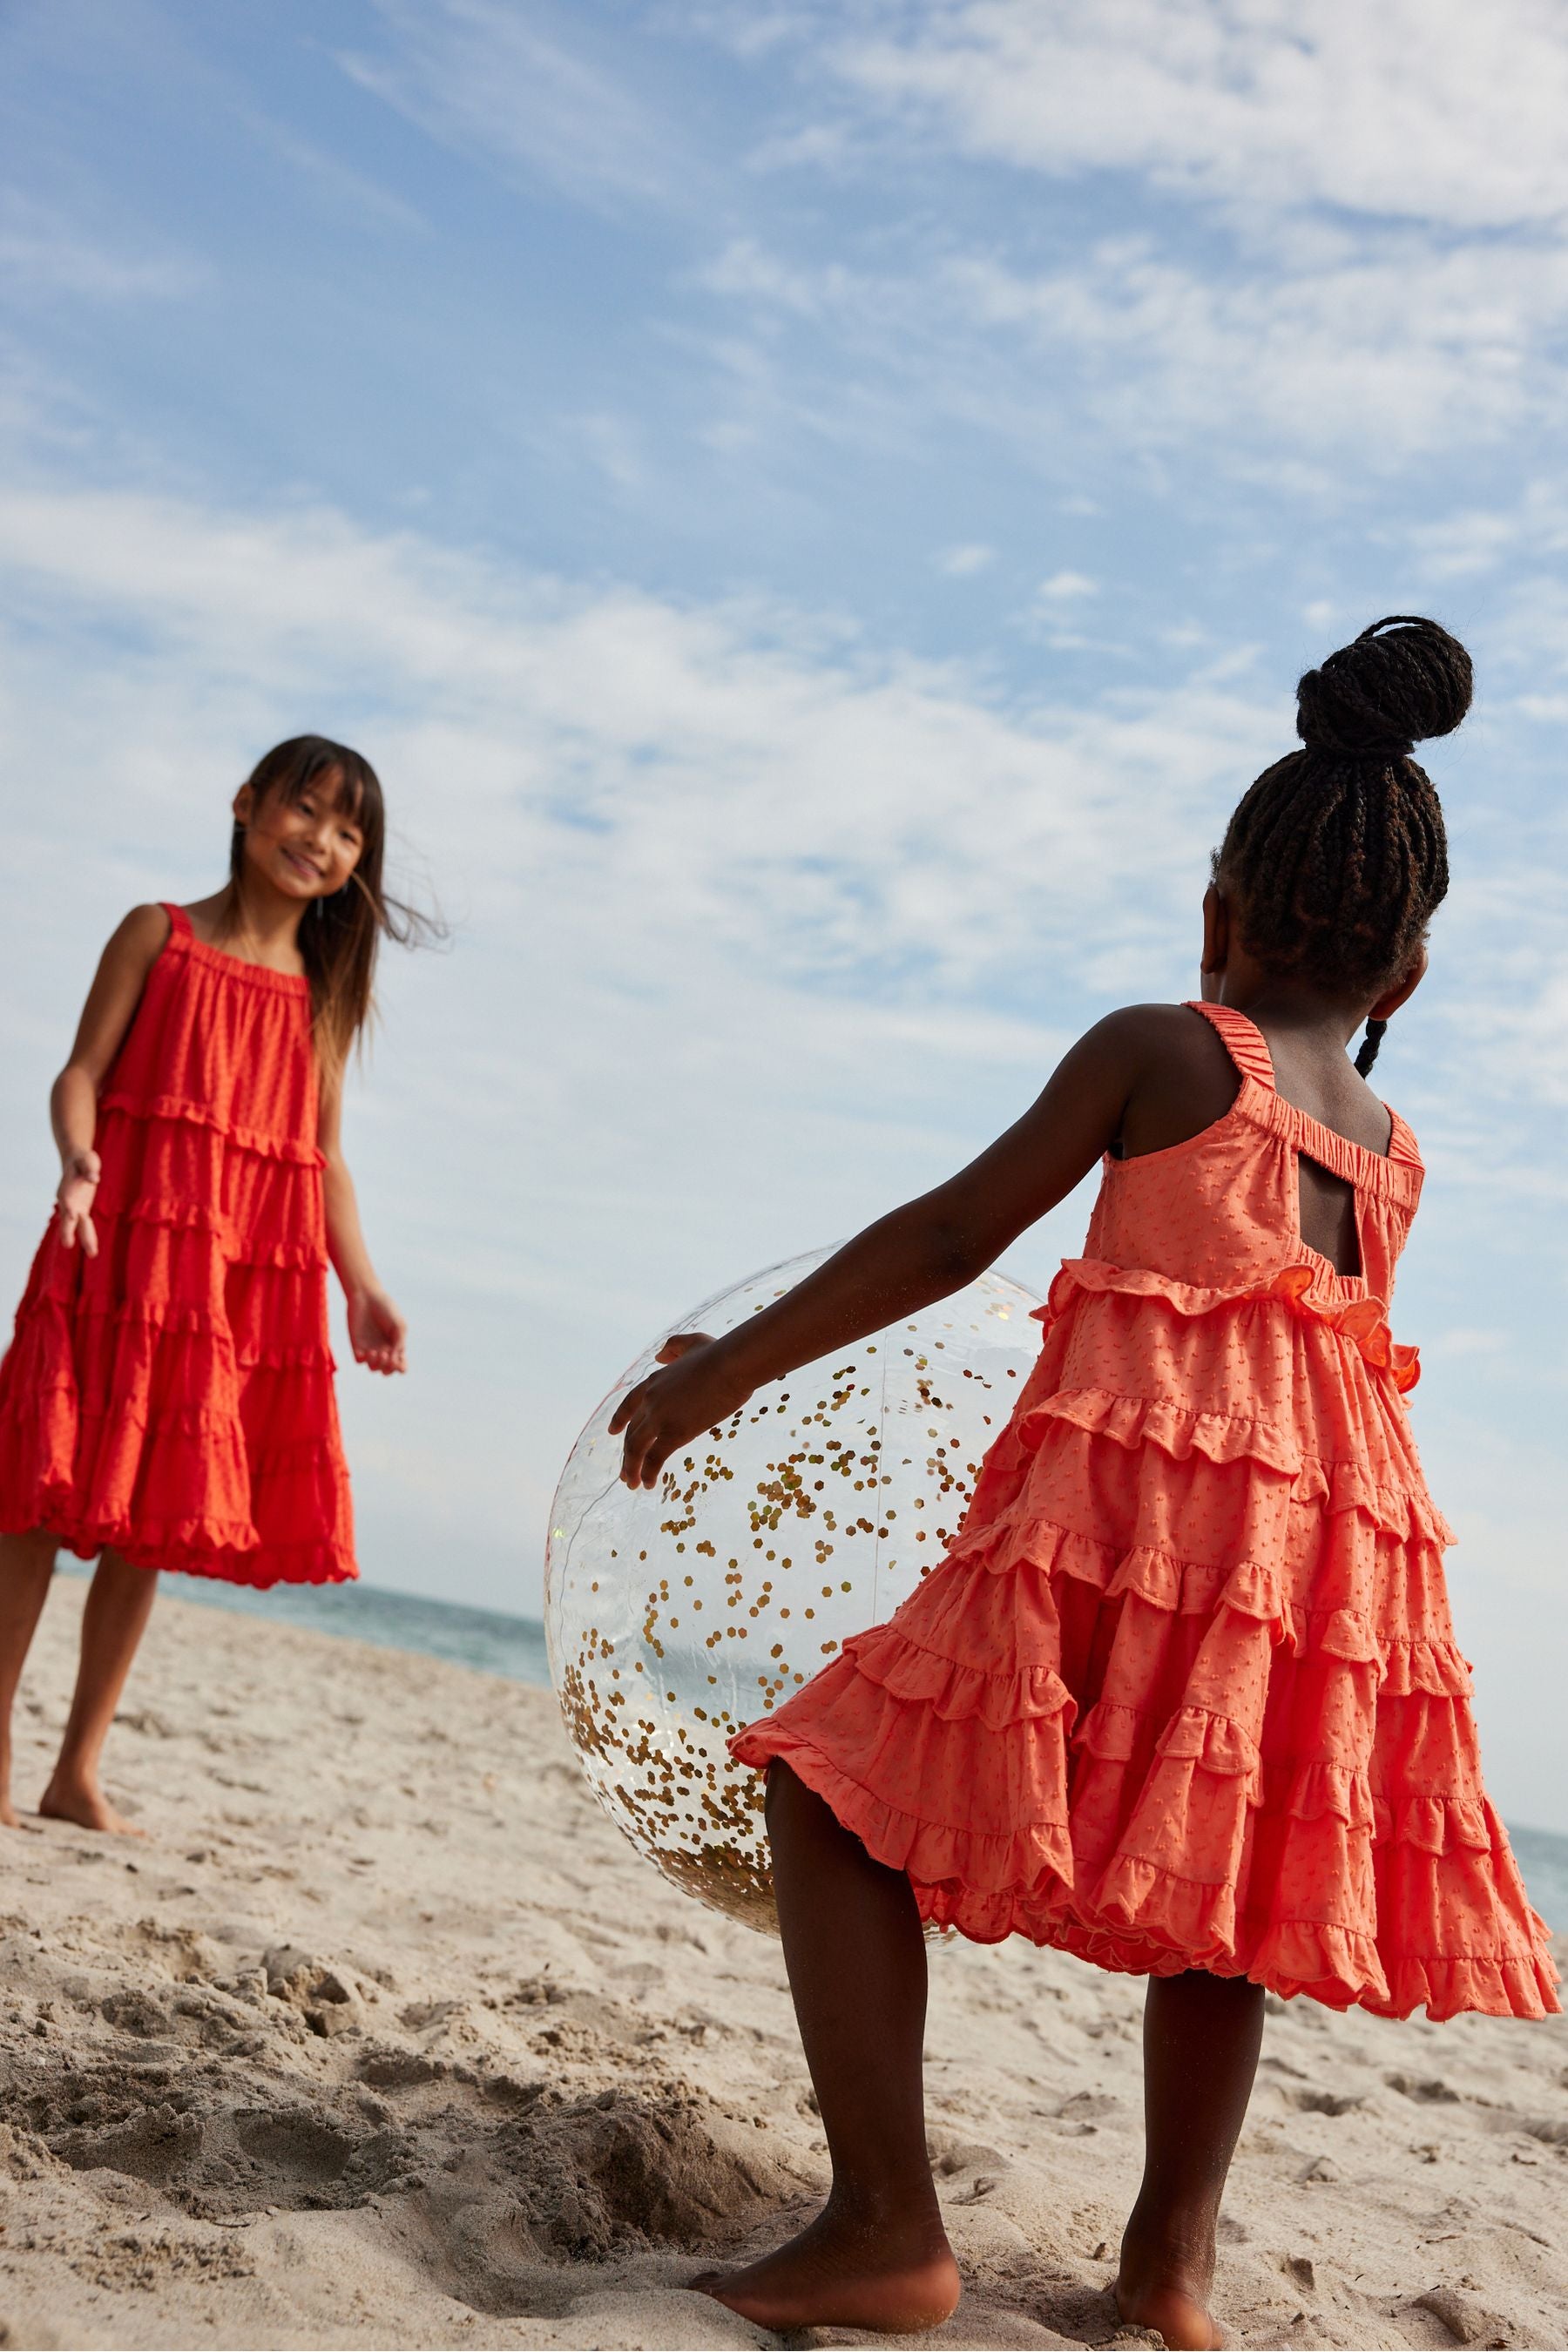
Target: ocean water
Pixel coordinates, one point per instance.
(484, 1638)
(514, 1646)
(1544, 1858)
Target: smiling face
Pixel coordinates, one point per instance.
(304, 845)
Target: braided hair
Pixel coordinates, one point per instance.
(1336, 855)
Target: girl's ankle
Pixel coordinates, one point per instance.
(1176, 2241)
(907, 2211)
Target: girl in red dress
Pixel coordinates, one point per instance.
(1183, 1697)
(167, 1400)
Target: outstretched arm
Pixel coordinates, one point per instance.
(919, 1252)
(110, 1006)
(376, 1330)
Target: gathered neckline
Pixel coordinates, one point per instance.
(261, 975)
(1398, 1133)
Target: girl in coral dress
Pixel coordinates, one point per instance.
(1184, 1698)
(167, 1400)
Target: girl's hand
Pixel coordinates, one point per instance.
(74, 1199)
(377, 1331)
(668, 1408)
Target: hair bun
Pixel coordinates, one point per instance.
(1375, 698)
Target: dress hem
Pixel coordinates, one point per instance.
(1521, 1984)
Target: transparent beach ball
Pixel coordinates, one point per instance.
(675, 1614)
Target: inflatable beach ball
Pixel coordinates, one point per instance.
(675, 1614)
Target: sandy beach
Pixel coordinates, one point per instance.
(384, 2036)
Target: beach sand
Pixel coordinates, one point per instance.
(384, 2036)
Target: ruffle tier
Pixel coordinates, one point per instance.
(172, 1397)
(1184, 1692)
(1306, 1285)
(1274, 1373)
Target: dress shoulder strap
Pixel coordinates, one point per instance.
(179, 922)
(1244, 1041)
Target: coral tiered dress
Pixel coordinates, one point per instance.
(172, 1396)
(1184, 1692)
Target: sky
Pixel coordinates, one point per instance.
(816, 512)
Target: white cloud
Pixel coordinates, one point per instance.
(1387, 190)
(732, 780)
(43, 252)
(1386, 346)
(1396, 280)
(1391, 347)
(1411, 111)
(1532, 527)
(1067, 588)
(963, 562)
(744, 268)
(535, 88)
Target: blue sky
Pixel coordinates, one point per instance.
(817, 512)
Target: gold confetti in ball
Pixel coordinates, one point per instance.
(676, 1613)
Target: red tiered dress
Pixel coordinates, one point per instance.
(172, 1396)
(1184, 1692)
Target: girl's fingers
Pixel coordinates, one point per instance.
(623, 1413)
(88, 1235)
(681, 1343)
(644, 1451)
(650, 1454)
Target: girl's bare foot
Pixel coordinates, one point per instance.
(119, 1602)
(1183, 2320)
(1164, 2280)
(84, 1802)
(847, 2270)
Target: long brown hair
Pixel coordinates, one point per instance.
(340, 934)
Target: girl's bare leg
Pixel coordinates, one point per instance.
(1200, 2040)
(877, 2255)
(27, 1564)
(119, 1604)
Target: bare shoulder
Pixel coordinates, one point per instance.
(139, 938)
(1180, 1078)
(1150, 1036)
(133, 949)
